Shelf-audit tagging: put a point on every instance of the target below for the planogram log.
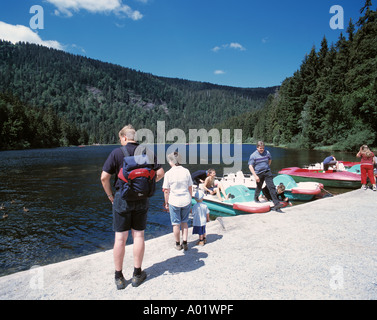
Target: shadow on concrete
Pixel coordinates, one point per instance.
(190, 260)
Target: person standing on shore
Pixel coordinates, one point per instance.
(200, 214)
(366, 166)
(259, 165)
(177, 188)
(127, 215)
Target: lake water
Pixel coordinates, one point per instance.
(69, 213)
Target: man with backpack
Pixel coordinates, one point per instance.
(127, 214)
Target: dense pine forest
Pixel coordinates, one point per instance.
(330, 101)
(52, 98)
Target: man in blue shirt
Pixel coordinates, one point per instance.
(329, 161)
(259, 165)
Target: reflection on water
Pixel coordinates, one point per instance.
(69, 214)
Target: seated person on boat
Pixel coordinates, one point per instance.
(213, 186)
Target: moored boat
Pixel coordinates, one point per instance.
(330, 178)
(241, 201)
(303, 191)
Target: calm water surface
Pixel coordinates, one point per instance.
(69, 213)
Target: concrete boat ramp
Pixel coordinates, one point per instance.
(325, 249)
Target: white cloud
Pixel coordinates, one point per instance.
(218, 72)
(232, 45)
(17, 33)
(133, 14)
(237, 46)
(95, 6)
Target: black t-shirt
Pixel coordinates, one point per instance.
(114, 162)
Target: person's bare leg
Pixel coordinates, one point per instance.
(223, 191)
(139, 247)
(184, 226)
(218, 194)
(176, 232)
(119, 249)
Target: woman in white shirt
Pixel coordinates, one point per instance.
(177, 188)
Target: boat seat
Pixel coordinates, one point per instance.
(231, 177)
(240, 178)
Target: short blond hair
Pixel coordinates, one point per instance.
(175, 158)
(128, 131)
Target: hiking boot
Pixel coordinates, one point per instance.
(139, 279)
(120, 283)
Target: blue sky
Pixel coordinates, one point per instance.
(242, 43)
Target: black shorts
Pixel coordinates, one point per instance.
(129, 215)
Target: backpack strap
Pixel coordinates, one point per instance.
(125, 151)
(120, 174)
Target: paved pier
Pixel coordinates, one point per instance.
(325, 249)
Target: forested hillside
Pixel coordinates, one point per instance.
(330, 101)
(89, 100)
(22, 126)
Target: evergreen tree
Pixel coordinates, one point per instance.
(331, 99)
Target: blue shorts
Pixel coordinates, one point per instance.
(199, 230)
(179, 215)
